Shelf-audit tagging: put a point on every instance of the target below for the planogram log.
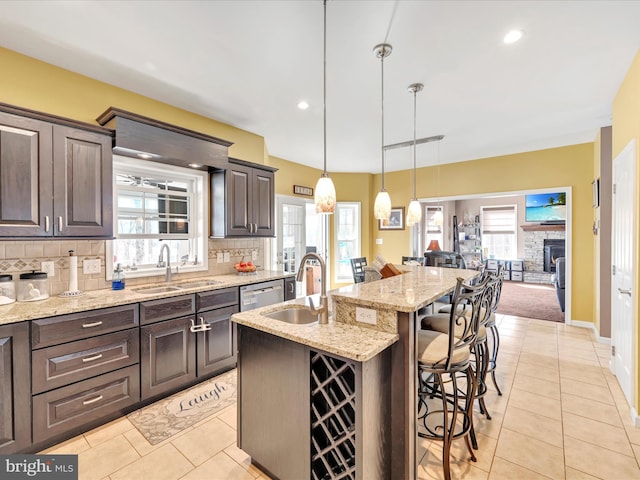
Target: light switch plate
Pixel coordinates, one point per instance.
(227, 257)
(90, 266)
(366, 315)
(378, 241)
(219, 257)
(48, 268)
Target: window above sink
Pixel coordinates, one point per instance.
(157, 204)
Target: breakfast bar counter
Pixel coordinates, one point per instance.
(293, 370)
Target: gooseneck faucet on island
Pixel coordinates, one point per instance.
(162, 263)
(323, 308)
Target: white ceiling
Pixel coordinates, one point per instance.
(248, 63)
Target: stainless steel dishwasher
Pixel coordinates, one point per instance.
(261, 294)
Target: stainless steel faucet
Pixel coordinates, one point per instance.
(323, 308)
(162, 263)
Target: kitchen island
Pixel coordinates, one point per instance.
(348, 411)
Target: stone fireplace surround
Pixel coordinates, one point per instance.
(534, 237)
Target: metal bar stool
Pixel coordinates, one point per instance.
(446, 379)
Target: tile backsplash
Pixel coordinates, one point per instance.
(19, 256)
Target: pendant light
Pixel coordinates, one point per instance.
(437, 217)
(414, 212)
(382, 205)
(325, 194)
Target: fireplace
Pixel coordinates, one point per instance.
(553, 248)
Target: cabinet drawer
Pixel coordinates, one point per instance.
(517, 276)
(217, 298)
(61, 365)
(65, 328)
(82, 403)
(163, 309)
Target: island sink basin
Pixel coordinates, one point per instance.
(151, 290)
(200, 283)
(296, 316)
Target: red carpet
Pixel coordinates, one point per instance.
(531, 300)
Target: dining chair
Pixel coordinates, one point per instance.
(443, 258)
(446, 378)
(357, 266)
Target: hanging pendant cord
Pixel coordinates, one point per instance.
(382, 111)
(324, 93)
(414, 144)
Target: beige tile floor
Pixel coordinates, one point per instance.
(562, 415)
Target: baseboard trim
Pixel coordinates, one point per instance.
(591, 326)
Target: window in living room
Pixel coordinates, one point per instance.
(499, 230)
(433, 229)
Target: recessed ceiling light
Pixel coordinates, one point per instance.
(513, 36)
(302, 105)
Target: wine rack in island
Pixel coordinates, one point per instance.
(333, 418)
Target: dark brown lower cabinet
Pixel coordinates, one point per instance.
(15, 388)
(167, 356)
(74, 406)
(217, 348)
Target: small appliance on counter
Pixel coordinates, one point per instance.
(7, 290)
(33, 286)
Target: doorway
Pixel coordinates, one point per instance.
(623, 230)
(299, 230)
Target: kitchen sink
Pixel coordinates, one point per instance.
(297, 316)
(200, 283)
(151, 290)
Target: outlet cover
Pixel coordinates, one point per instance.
(90, 266)
(219, 257)
(254, 255)
(366, 315)
(227, 257)
(378, 241)
(48, 268)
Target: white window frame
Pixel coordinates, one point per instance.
(436, 232)
(355, 242)
(199, 199)
(499, 230)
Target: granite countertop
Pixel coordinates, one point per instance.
(349, 341)
(94, 299)
(417, 287)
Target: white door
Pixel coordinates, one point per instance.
(623, 230)
(298, 230)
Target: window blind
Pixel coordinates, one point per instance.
(499, 220)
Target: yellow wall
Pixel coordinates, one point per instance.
(626, 127)
(30, 83)
(557, 167)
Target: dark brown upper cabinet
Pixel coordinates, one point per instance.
(243, 200)
(55, 177)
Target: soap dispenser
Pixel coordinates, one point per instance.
(117, 280)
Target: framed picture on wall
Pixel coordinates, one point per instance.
(395, 222)
(596, 192)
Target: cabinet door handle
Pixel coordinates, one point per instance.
(93, 400)
(91, 359)
(60, 224)
(46, 223)
(94, 324)
(624, 292)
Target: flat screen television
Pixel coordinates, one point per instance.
(546, 208)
